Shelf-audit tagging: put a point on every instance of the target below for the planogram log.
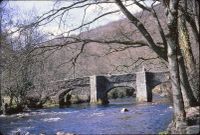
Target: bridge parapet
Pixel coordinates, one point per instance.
(121, 78)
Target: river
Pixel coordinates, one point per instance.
(148, 118)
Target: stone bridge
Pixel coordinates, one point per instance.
(95, 88)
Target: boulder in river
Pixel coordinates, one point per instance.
(124, 110)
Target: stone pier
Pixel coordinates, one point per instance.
(143, 94)
(93, 89)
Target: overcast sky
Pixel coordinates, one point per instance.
(73, 19)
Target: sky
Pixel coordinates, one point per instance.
(72, 19)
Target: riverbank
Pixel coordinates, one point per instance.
(190, 126)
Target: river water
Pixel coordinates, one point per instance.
(149, 118)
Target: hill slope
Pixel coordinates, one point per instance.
(96, 59)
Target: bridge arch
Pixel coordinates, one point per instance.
(101, 85)
(120, 91)
(156, 78)
(71, 96)
(63, 99)
(77, 86)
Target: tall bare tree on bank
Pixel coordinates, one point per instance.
(186, 52)
(172, 40)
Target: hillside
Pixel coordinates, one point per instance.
(95, 58)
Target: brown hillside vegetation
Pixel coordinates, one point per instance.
(97, 58)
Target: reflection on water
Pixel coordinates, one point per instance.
(92, 119)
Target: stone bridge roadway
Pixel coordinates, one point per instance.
(95, 88)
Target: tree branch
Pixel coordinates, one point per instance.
(142, 29)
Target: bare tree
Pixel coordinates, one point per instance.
(19, 70)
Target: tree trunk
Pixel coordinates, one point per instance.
(172, 42)
(184, 41)
(192, 23)
(175, 81)
(185, 49)
(0, 53)
(195, 80)
(193, 18)
(188, 97)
